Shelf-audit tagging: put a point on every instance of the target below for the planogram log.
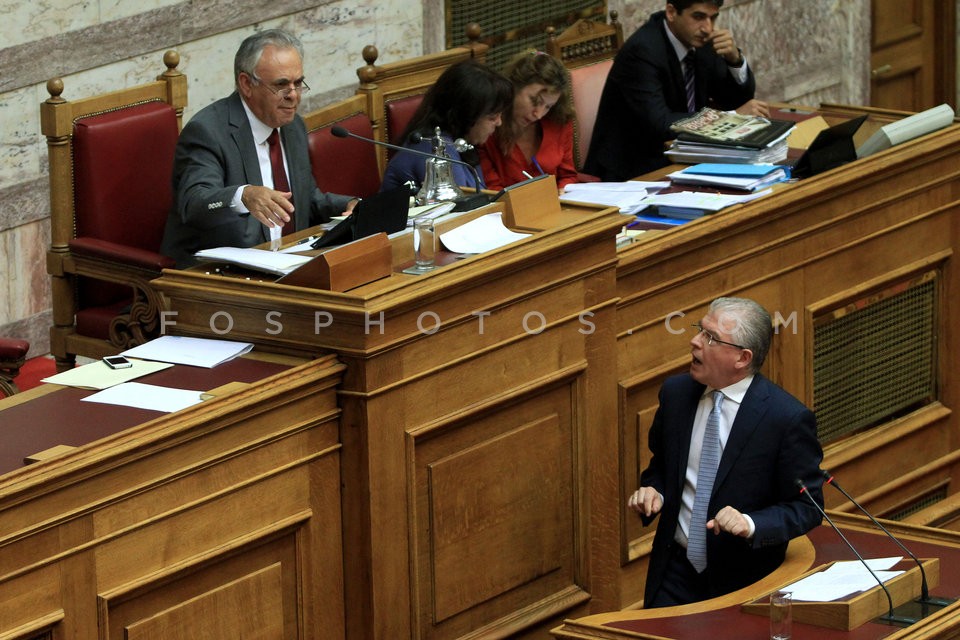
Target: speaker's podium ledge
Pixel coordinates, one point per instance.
(858, 608)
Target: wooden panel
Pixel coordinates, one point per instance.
(174, 527)
(912, 57)
(204, 616)
(468, 515)
(487, 368)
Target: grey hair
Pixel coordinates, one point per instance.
(248, 55)
(748, 324)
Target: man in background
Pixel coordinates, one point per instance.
(675, 64)
(242, 171)
(728, 448)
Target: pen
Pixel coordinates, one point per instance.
(537, 165)
(529, 177)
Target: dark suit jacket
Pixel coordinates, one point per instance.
(772, 443)
(644, 94)
(215, 155)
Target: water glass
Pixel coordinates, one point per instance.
(781, 617)
(424, 244)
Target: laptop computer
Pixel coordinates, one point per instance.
(382, 212)
(831, 148)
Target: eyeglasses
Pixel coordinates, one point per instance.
(300, 86)
(712, 338)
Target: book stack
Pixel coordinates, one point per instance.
(718, 136)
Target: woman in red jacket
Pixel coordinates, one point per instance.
(536, 136)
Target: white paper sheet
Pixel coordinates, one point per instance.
(147, 396)
(197, 352)
(482, 234)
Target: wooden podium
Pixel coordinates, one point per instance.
(851, 612)
(493, 366)
(731, 617)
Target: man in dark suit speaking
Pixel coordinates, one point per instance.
(728, 446)
(673, 65)
(242, 171)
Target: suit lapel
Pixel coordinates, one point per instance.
(242, 136)
(689, 406)
(751, 412)
(293, 144)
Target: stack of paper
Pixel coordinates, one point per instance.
(627, 196)
(745, 177)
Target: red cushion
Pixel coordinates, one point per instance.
(112, 252)
(399, 112)
(586, 85)
(13, 349)
(95, 322)
(123, 166)
(345, 165)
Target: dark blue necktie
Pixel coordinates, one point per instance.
(689, 82)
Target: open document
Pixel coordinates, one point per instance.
(196, 352)
(275, 262)
(479, 235)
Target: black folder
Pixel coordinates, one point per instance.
(831, 148)
(382, 212)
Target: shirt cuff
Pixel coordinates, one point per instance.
(739, 73)
(237, 203)
(752, 528)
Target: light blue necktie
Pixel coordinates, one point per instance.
(706, 473)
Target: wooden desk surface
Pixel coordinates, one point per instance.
(53, 415)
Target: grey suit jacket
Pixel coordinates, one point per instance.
(216, 155)
(773, 442)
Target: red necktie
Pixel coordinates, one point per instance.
(279, 175)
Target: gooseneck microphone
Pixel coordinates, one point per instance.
(924, 592)
(890, 617)
(340, 132)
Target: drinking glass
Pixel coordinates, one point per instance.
(780, 615)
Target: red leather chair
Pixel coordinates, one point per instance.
(587, 49)
(399, 112)
(13, 353)
(111, 159)
(394, 90)
(343, 165)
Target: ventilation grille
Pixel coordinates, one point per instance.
(510, 27)
(875, 358)
(926, 501)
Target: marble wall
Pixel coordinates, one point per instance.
(804, 52)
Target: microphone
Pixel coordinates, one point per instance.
(890, 617)
(341, 132)
(924, 592)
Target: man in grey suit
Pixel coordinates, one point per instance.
(227, 189)
(726, 524)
